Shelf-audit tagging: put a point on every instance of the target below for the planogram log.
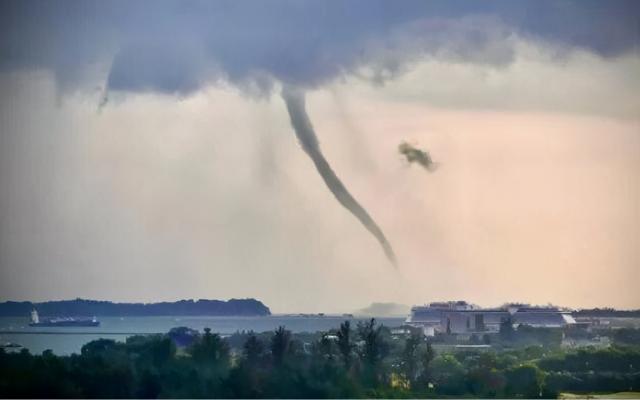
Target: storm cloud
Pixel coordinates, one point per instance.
(166, 189)
(177, 47)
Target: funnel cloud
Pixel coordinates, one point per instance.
(303, 128)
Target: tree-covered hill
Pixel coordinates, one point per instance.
(82, 307)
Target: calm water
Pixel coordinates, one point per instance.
(67, 340)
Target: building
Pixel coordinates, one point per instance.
(462, 318)
(543, 317)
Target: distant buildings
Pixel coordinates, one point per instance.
(460, 317)
(543, 317)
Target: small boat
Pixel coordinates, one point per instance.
(61, 321)
(10, 345)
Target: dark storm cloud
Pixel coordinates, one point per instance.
(178, 46)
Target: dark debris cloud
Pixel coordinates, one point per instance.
(414, 154)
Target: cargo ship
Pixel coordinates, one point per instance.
(61, 321)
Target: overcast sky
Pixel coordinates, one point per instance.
(146, 153)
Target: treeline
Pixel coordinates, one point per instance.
(82, 307)
(348, 363)
(606, 312)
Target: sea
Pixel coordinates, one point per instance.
(68, 340)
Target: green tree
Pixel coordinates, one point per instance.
(374, 349)
(448, 375)
(247, 379)
(154, 350)
(506, 332)
(486, 382)
(211, 349)
(524, 381)
(629, 336)
(324, 348)
(253, 350)
(426, 360)
(280, 346)
(486, 339)
(211, 354)
(410, 356)
(345, 346)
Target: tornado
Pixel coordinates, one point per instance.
(295, 101)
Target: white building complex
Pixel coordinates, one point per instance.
(460, 317)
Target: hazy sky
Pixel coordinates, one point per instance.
(146, 153)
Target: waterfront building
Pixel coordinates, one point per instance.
(462, 318)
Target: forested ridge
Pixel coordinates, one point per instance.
(82, 307)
